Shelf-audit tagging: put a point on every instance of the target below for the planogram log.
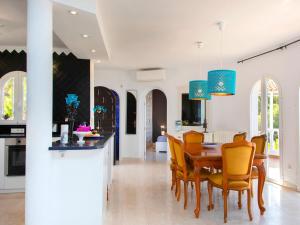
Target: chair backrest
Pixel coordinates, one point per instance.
(260, 142)
(237, 161)
(193, 137)
(171, 146)
(239, 137)
(179, 155)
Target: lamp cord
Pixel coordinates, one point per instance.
(221, 49)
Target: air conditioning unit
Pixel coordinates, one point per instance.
(151, 75)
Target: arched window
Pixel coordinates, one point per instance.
(13, 89)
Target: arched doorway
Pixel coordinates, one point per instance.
(110, 121)
(265, 118)
(155, 125)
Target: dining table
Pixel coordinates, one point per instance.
(210, 156)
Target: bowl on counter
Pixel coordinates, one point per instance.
(81, 135)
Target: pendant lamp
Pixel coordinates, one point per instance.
(221, 82)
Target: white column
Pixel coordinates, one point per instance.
(39, 118)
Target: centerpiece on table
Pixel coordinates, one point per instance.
(82, 131)
(100, 110)
(72, 105)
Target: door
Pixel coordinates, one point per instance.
(265, 118)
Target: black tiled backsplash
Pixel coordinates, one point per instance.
(70, 75)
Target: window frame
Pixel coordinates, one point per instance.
(18, 96)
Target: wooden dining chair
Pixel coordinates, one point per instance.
(193, 137)
(237, 159)
(260, 142)
(240, 137)
(184, 173)
(173, 160)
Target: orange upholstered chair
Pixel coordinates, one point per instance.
(184, 173)
(260, 142)
(237, 159)
(173, 160)
(239, 137)
(193, 137)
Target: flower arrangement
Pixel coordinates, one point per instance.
(72, 105)
(100, 110)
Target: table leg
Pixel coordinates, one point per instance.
(261, 182)
(197, 184)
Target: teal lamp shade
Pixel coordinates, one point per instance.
(221, 82)
(198, 90)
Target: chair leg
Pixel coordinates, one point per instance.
(251, 189)
(225, 205)
(240, 199)
(185, 194)
(249, 204)
(178, 185)
(192, 185)
(173, 180)
(210, 198)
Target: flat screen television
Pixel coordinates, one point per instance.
(192, 111)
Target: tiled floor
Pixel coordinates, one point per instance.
(141, 196)
(12, 209)
(274, 168)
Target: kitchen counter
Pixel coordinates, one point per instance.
(12, 135)
(90, 144)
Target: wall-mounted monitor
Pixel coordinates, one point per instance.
(192, 111)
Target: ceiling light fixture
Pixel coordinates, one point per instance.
(73, 12)
(98, 61)
(93, 51)
(198, 90)
(85, 35)
(221, 82)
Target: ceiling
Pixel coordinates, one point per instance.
(68, 30)
(162, 33)
(13, 17)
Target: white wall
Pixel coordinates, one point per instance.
(234, 112)
(121, 80)
(224, 113)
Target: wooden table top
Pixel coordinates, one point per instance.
(209, 152)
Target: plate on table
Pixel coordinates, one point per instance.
(210, 144)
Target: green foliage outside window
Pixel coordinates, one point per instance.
(8, 101)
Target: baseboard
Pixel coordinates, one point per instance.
(10, 191)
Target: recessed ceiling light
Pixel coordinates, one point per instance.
(85, 35)
(73, 12)
(98, 61)
(93, 50)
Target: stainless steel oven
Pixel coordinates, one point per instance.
(15, 156)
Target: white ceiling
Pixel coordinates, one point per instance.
(13, 16)
(68, 29)
(162, 33)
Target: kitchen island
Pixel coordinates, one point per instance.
(80, 181)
